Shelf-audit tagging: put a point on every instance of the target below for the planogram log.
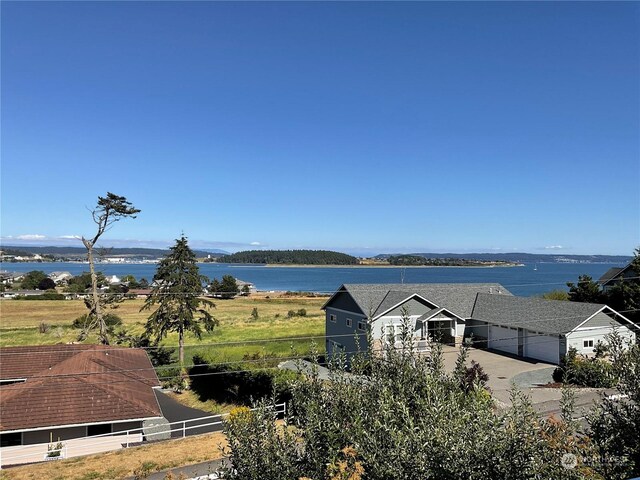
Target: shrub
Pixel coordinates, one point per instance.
(110, 320)
(594, 372)
(224, 384)
(302, 312)
(44, 327)
(254, 313)
(291, 313)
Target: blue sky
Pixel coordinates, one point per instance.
(362, 127)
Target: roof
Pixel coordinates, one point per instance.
(546, 316)
(75, 384)
(612, 274)
(459, 298)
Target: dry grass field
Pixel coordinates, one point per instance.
(265, 336)
(124, 463)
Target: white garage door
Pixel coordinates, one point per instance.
(503, 339)
(542, 347)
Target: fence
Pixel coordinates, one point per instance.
(113, 441)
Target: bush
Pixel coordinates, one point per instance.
(302, 312)
(110, 320)
(291, 313)
(50, 295)
(254, 313)
(224, 384)
(44, 327)
(594, 372)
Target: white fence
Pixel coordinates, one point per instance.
(112, 441)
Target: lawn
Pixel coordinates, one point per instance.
(238, 335)
(126, 462)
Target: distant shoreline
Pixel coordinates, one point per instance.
(289, 265)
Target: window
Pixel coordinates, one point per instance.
(98, 429)
(332, 318)
(10, 439)
(587, 343)
(349, 322)
(336, 347)
(361, 326)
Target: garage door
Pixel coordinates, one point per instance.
(503, 339)
(542, 347)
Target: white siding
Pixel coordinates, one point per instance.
(578, 337)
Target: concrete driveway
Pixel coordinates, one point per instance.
(527, 375)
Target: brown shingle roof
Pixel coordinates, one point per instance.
(75, 384)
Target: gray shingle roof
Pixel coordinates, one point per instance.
(611, 274)
(459, 298)
(537, 314)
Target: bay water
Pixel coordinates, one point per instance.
(527, 280)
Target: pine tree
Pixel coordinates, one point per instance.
(176, 292)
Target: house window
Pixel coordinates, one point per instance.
(361, 326)
(10, 439)
(336, 347)
(587, 343)
(349, 322)
(332, 318)
(98, 429)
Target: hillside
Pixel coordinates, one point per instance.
(290, 257)
(80, 252)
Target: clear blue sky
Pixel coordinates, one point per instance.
(376, 127)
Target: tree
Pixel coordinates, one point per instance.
(32, 279)
(556, 295)
(109, 210)
(177, 288)
(46, 284)
(585, 290)
(130, 281)
(229, 286)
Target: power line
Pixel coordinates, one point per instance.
(288, 339)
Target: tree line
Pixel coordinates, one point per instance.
(418, 260)
(294, 257)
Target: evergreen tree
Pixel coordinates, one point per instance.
(176, 292)
(585, 290)
(109, 210)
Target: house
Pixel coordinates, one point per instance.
(60, 277)
(250, 287)
(113, 280)
(544, 329)
(616, 275)
(139, 292)
(72, 391)
(8, 278)
(448, 313)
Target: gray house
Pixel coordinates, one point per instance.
(529, 327)
(616, 275)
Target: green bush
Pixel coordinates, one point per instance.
(225, 384)
(110, 320)
(592, 372)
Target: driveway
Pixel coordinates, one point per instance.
(527, 375)
(176, 412)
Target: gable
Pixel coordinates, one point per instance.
(344, 301)
(413, 306)
(601, 319)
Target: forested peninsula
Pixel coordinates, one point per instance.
(290, 257)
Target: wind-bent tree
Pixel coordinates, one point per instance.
(109, 210)
(176, 291)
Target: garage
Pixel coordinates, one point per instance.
(504, 339)
(541, 347)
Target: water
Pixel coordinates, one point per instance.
(519, 280)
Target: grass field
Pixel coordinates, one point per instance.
(19, 321)
(126, 462)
